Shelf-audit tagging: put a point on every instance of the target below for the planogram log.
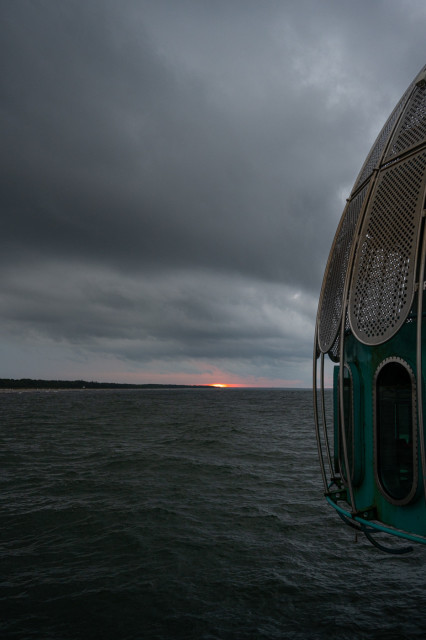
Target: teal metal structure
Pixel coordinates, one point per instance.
(370, 324)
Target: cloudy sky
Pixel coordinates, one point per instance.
(172, 175)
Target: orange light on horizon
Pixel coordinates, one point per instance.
(221, 385)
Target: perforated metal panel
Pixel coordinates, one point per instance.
(334, 352)
(412, 128)
(373, 158)
(382, 282)
(382, 287)
(330, 311)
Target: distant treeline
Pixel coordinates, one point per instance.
(28, 383)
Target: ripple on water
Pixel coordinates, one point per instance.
(192, 514)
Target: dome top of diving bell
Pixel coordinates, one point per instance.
(371, 268)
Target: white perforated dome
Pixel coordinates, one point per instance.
(373, 257)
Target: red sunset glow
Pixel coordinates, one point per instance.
(220, 385)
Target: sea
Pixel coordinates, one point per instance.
(184, 514)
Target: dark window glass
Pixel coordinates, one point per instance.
(394, 399)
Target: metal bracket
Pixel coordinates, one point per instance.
(338, 494)
(370, 513)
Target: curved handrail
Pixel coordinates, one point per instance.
(324, 419)
(351, 520)
(316, 420)
(419, 362)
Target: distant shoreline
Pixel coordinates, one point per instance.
(28, 384)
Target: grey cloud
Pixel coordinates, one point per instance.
(172, 174)
(177, 322)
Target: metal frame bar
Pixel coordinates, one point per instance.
(352, 410)
(324, 419)
(419, 360)
(342, 430)
(316, 420)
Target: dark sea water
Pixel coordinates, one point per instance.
(183, 514)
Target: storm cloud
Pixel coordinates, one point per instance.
(172, 175)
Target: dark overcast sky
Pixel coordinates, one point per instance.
(172, 175)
